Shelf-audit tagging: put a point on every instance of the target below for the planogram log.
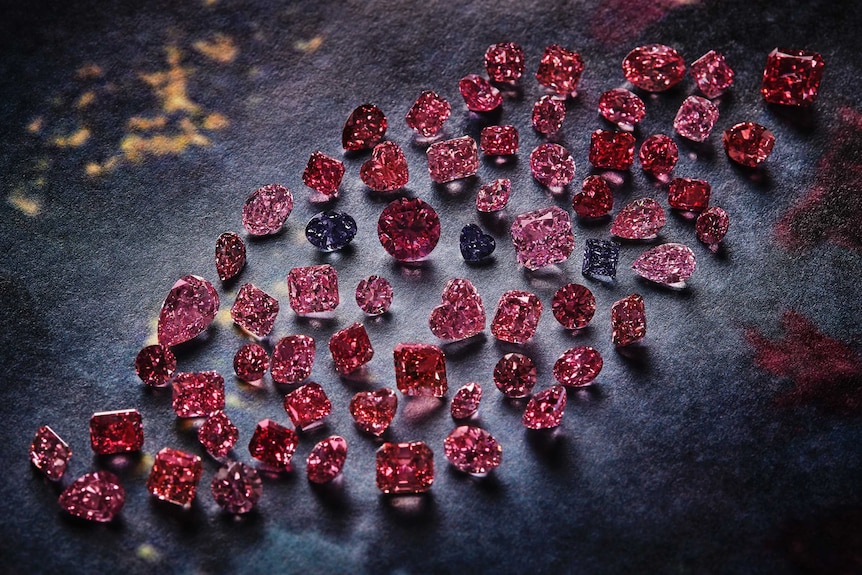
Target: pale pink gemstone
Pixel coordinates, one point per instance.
(695, 118)
(621, 107)
(254, 310)
(96, 496)
(49, 453)
(578, 366)
(461, 313)
(545, 409)
(517, 316)
(266, 210)
(236, 488)
(307, 405)
(548, 115)
(374, 295)
(466, 401)
(404, 468)
(552, 166)
(668, 264)
(313, 289)
(292, 358)
(712, 74)
(640, 220)
(188, 310)
(472, 450)
(494, 196)
(453, 159)
(543, 237)
(515, 375)
(326, 459)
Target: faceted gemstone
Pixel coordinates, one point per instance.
(273, 444)
(460, 314)
(578, 366)
(323, 174)
(712, 74)
(658, 156)
(251, 362)
(364, 129)
(387, 170)
(404, 468)
(573, 305)
(600, 259)
(313, 289)
(155, 365)
(96, 496)
(668, 264)
(543, 237)
(517, 316)
(350, 348)
(695, 118)
(640, 220)
(548, 115)
(373, 410)
(475, 244)
(236, 488)
(560, 70)
(479, 94)
(189, 308)
(545, 409)
(175, 476)
(494, 196)
(499, 140)
(229, 255)
(711, 226)
(119, 431)
(552, 166)
(748, 143)
(292, 358)
(654, 67)
(453, 159)
(254, 310)
(472, 450)
(688, 195)
(466, 401)
(408, 229)
(420, 369)
(266, 210)
(198, 394)
(792, 77)
(49, 453)
(515, 375)
(505, 62)
(307, 405)
(330, 230)
(326, 460)
(218, 434)
(612, 150)
(428, 114)
(374, 295)
(628, 320)
(621, 107)
(595, 200)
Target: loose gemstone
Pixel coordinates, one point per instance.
(515, 375)
(49, 453)
(96, 496)
(792, 77)
(387, 169)
(326, 460)
(218, 434)
(374, 295)
(621, 107)
(461, 313)
(373, 411)
(668, 264)
(560, 70)
(494, 196)
(350, 348)
(466, 401)
(595, 200)
(517, 316)
(119, 431)
(505, 62)
(628, 320)
(266, 210)
(711, 226)
(654, 67)
(292, 359)
(188, 310)
(453, 159)
(695, 118)
(198, 394)
(229, 255)
(688, 195)
(573, 305)
(313, 289)
(545, 409)
(404, 468)
(640, 220)
(543, 237)
(250, 362)
(479, 94)
(254, 310)
(307, 405)
(475, 244)
(712, 74)
(499, 140)
(428, 114)
(472, 450)
(330, 230)
(578, 366)
(658, 156)
(155, 365)
(612, 150)
(364, 129)
(548, 115)
(748, 143)
(236, 488)
(420, 369)
(600, 259)
(552, 166)
(175, 476)
(408, 229)
(273, 444)
(323, 174)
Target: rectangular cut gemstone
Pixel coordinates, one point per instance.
(453, 159)
(499, 140)
(792, 77)
(628, 320)
(119, 431)
(543, 237)
(420, 369)
(404, 468)
(198, 394)
(688, 194)
(313, 289)
(49, 453)
(350, 348)
(175, 476)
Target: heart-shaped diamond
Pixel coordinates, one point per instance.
(373, 410)
(640, 220)
(365, 127)
(476, 245)
(386, 171)
(461, 313)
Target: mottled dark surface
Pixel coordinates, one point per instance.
(129, 146)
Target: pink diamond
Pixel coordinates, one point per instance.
(573, 305)
(236, 488)
(472, 450)
(453, 159)
(323, 174)
(748, 143)
(326, 460)
(461, 313)
(373, 410)
(198, 394)
(595, 200)
(654, 67)
(552, 166)
(504, 62)
(545, 409)
(543, 237)
(517, 316)
(408, 229)
(578, 366)
(711, 227)
(218, 434)
(560, 70)
(313, 289)
(254, 310)
(266, 210)
(364, 129)
(499, 140)
(229, 255)
(292, 359)
(386, 171)
(612, 150)
(466, 401)
(405, 468)
(374, 295)
(792, 77)
(712, 74)
(479, 94)
(548, 115)
(96, 496)
(350, 348)
(307, 405)
(688, 195)
(640, 220)
(175, 476)
(250, 363)
(621, 107)
(49, 453)
(420, 369)
(273, 444)
(428, 114)
(668, 264)
(188, 310)
(494, 196)
(695, 118)
(628, 320)
(116, 432)
(658, 156)
(515, 375)
(155, 365)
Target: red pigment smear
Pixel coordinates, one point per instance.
(619, 21)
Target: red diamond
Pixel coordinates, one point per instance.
(188, 310)
(748, 143)
(292, 359)
(472, 450)
(116, 432)
(420, 369)
(658, 156)
(386, 171)
(428, 114)
(499, 140)
(573, 305)
(175, 476)
(350, 348)
(466, 401)
(374, 295)
(236, 488)
(578, 366)
(461, 315)
(628, 320)
(560, 70)
(313, 289)
(408, 229)
(712, 74)
(254, 310)
(552, 166)
(453, 159)
(688, 195)
(612, 150)
(517, 316)
(479, 94)
(621, 107)
(542, 237)
(654, 67)
(307, 405)
(250, 363)
(792, 77)
(326, 460)
(373, 410)
(545, 409)
(323, 174)
(364, 129)
(515, 375)
(218, 434)
(405, 468)
(49, 453)
(595, 200)
(266, 210)
(668, 264)
(548, 115)
(96, 496)
(155, 365)
(504, 62)
(273, 444)
(229, 255)
(640, 220)
(695, 118)
(198, 394)
(494, 196)
(711, 226)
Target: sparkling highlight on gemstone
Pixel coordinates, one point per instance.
(373, 411)
(273, 444)
(560, 70)
(600, 259)
(667, 264)
(330, 230)
(465, 402)
(350, 348)
(517, 316)
(515, 375)
(218, 434)
(654, 67)
(552, 166)
(323, 174)
(155, 365)
(642, 219)
(658, 156)
(461, 313)
(628, 320)
(542, 237)
(695, 118)
(188, 310)
(475, 244)
(545, 409)
(748, 144)
(229, 255)
(621, 107)
(420, 369)
(452, 159)
(711, 227)
(428, 114)
(119, 431)
(236, 488)
(688, 195)
(364, 129)
(578, 366)
(254, 310)
(408, 229)
(198, 394)
(405, 468)
(313, 289)
(374, 295)
(307, 405)
(387, 169)
(595, 198)
(493, 196)
(174, 477)
(712, 74)
(792, 77)
(573, 305)
(479, 94)
(612, 150)
(250, 362)
(292, 359)
(326, 459)
(499, 140)
(96, 496)
(505, 62)
(266, 210)
(49, 453)
(472, 450)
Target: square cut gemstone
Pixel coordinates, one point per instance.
(695, 118)
(628, 320)
(405, 468)
(350, 348)
(313, 289)
(420, 369)
(292, 358)
(49, 453)
(499, 140)
(612, 150)
(323, 174)
(453, 159)
(600, 259)
(273, 444)
(792, 77)
(560, 70)
(543, 237)
(307, 405)
(712, 74)
(198, 394)
(517, 316)
(254, 310)
(175, 476)
(119, 431)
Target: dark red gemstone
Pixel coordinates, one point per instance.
(595, 200)
(364, 129)
(612, 150)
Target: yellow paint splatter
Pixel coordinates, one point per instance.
(94, 169)
(234, 401)
(221, 48)
(141, 123)
(148, 553)
(223, 318)
(85, 99)
(215, 121)
(309, 46)
(171, 85)
(89, 71)
(136, 147)
(27, 205)
(35, 125)
(75, 140)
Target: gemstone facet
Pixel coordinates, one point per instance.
(460, 314)
(198, 394)
(573, 305)
(612, 150)
(465, 402)
(307, 405)
(594, 200)
(330, 230)
(229, 255)
(326, 459)
(453, 159)
(499, 140)
(578, 366)
(250, 362)
(96, 496)
(254, 310)
(792, 77)
(517, 316)
(323, 174)
(266, 210)
(373, 411)
(350, 348)
(420, 369)
(504, 62)
(236, 488)
(658, 156)
(292, 358)
(49, 453)
(475, 244)
(600, 259)
(654, 67)
(548, 115)
(364, 129)
(640, 220)
(273, 444)
(479, 94)
(374, 295)
(155, 365)
(695, 118)
(621, 107)
(408, 229)
(188, 310)
(543, 237)
(493, 196)
(174, 477)
(387, 169)
(628, 320)
(472, 450)
(688, 195)
(428, 114)
(313, 289)
(218, 434)
(712, 74)
(545, 409)
(119, 431)
(748, 143)
(668, 264)
(404, 468)
(711, 226)
(552, 166)
(560, 70)
(515, 375)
